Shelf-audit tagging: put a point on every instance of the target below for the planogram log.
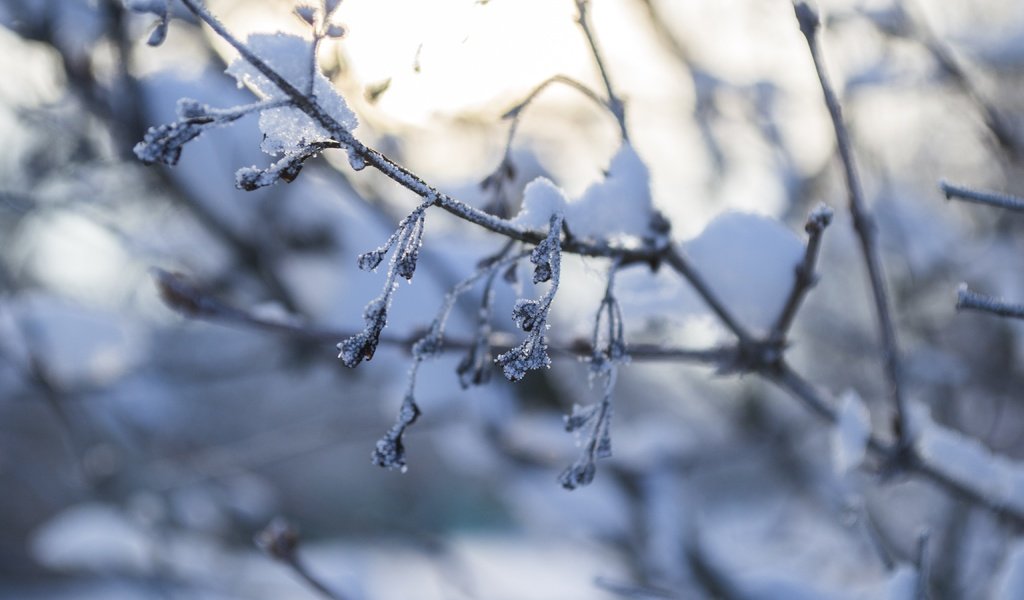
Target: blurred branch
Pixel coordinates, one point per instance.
(966, 299)
(863, 222)
(280, 541)
(805, 279)
(956, 192)
(615, 103)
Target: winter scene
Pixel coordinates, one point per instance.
(511, 299)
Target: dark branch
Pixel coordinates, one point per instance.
(863, 223)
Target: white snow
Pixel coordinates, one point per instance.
(288, 129)
(541, 199)
(749, 261)
(850, 433)
(619, 205)
(967, 460)
(92, 537)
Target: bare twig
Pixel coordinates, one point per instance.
(943, 55)
(956, 192)
(615, 103)
(280, 541)
(966, 299)
(863, 223)
(817, 222)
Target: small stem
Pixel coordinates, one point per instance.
(956, 192)
(615, 103)
(806, 279)
(863, 223)
(966, 299)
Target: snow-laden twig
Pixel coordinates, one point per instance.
(863, 222)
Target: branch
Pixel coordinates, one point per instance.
(966, 299)
(615, 103)
(817, 222)
(280, 541)
(956, 192)
(863, 223)
(191, 301)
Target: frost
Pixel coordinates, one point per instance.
(532, 315)
(288, 130)
(850, 433)
(541, 200)
(390, 451)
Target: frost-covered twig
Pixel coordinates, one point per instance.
(863, 223)
(967, 299)
(390, 450)
(806, 278)
(280, 541)
(361, 154)
(956, 192)
(532, 315)
(593, 423)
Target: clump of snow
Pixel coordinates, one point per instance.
(968, 461)
(620, 205)
(850, 433)
(541, 200)
(288, 130)
(749, 261)
(92, 537)
(902, 584)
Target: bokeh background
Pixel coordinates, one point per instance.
(140, 451)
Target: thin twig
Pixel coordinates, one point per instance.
(806, 278)
(192, 301)
(956, 192)
(863, 222)
(996, 123)
(966, 299)
(280, 541)
(615, 103)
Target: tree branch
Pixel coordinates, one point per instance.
(863, 223)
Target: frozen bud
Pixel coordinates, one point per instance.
(278, 539)
(306, 13)
(335, 31)
(527, 314)
(368, 261)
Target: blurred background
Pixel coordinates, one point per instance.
(140, 451)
